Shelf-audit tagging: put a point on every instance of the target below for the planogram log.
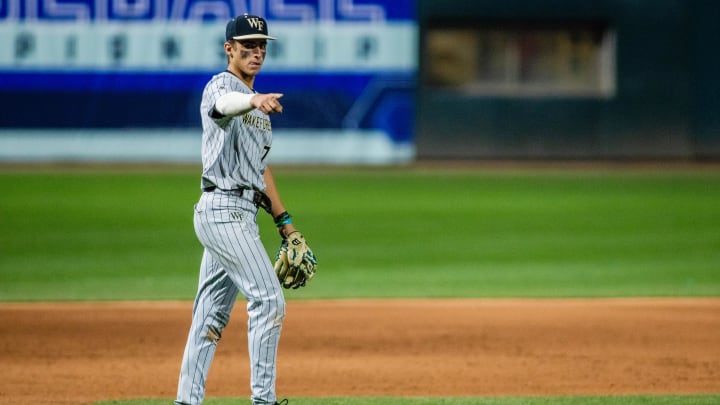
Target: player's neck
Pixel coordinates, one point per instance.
(249, 80)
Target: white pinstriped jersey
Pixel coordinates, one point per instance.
(234, 258)
(233, 148)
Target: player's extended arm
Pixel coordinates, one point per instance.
(236, 103)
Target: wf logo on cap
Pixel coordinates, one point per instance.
(247, 27)
(255, 22)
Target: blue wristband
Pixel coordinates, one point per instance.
(283, 219)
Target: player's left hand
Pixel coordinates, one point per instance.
(295, 263)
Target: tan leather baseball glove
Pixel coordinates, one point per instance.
(295, 263)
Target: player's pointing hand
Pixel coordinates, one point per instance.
(267, 103)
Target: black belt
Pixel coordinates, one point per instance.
(260, 199)
(210, 189)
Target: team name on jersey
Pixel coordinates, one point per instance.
(257, 122)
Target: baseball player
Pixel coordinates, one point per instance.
(235, 181)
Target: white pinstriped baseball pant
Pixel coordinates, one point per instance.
(234, 260)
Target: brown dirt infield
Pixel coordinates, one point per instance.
(70, 353)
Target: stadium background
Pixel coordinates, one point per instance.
(116, 80)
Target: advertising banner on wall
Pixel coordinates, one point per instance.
(122, 79)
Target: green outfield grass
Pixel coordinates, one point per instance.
(126, 234)
(568, 400)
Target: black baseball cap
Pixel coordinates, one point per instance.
(247, 27)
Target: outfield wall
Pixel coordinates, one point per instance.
(655, 94)
(119, 80)
(369, 81)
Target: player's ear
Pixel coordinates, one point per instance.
(228, 48)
